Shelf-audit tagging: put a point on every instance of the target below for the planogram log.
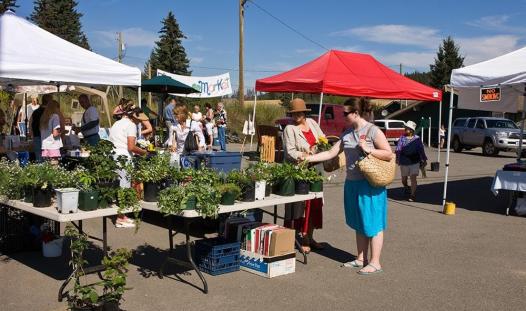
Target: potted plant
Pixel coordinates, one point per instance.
(229, 192)
(315, 179)
(171, 200)
(152, 171)
(261, 171)
(246, 182)
(12, 185)
(283, 176)
(102, 165)
(114, 278)
(301, 179)
(83, 296)
(88, 195)
(40, 177)
(207, 199)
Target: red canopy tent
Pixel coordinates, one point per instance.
(348, 74)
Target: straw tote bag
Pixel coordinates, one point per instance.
(378, 173)
(335, 163)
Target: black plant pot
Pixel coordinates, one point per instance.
(167, 183)
(248, 193)
(268, 189)
(151, 191)
(302, 187)
(287, 187)
(276, 188)
(42, 197)
(111, 306)
(92, 308)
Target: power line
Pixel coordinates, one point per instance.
(289, 27)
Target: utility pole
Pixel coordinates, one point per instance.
(241, 90)
(149, 93)
(119, 59)
(400, 68)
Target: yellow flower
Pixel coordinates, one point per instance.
(323, 140)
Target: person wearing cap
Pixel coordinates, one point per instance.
(90, 121)
(123, 135)
(410, 155)
(300, 139)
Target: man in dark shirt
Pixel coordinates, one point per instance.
(35, 127)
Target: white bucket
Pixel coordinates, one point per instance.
(260, 189)
(67, 200)
(52, 248)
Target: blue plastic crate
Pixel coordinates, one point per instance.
(220, 161)
(215, 256)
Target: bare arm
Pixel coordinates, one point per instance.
(147, 128)
(133, 148)
(381, 149)
(326, 155)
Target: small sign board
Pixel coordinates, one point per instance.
(489, 94)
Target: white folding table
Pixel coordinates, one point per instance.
(189, 215)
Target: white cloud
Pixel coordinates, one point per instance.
(196, 60)
(410, 61)
(494, 21)
(132, 37)
(483, 48)
(395, 34)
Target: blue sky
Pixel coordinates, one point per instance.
(406, 32)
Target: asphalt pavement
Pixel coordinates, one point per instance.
(474, 260)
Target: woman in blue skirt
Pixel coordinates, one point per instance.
(365, 205)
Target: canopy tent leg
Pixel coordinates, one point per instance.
(450, 121)
(25, 116)
(523, 115)
(319, 111)
(139, 104)
(439, 127)
(429, 134)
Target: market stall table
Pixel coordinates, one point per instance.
(52, 213)
(514, 181)
(189, 215)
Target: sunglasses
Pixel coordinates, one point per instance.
(346, 113)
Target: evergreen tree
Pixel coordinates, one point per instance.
(448, 58)
(422, 77)
(7, 5)
(169, 53)
(61, 18)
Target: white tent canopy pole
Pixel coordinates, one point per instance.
(450, 121)
(439, 128)
(319, 110)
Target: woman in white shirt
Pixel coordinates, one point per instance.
(197, 115)
(50, 131)
(182, 128)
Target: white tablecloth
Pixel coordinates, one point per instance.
(515, 181)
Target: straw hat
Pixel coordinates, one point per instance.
(410, 125)
(298, 105)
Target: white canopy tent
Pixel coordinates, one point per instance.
(31, 55)
(507, 72)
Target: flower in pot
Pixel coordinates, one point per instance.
(152, 172)
(114, 278)
(229, 192)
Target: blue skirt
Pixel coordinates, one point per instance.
(365, 207)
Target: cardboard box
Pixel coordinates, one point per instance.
(281, 242)
(268, 267)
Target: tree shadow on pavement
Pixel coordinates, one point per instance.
(471, 194)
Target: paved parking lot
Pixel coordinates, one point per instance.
(475, 260)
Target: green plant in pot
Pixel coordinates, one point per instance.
(83, 296)
(12, 181)
(263, 173)
(315, 179)
(114, 278)
(229, 192)
(246, 182)
(40, 178)
(302, 179)
(207, 199)
(285, 177)
(152, 171)
(172, 200)
(88, 195)
(102, 165)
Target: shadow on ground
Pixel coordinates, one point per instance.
(470, 194)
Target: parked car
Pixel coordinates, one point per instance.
(492, 134)
(332, 121)
(393, 129)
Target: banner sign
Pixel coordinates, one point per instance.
(489, 94)
(214, 86)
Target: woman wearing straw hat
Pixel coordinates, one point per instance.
(410, 155)
(300, 139)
